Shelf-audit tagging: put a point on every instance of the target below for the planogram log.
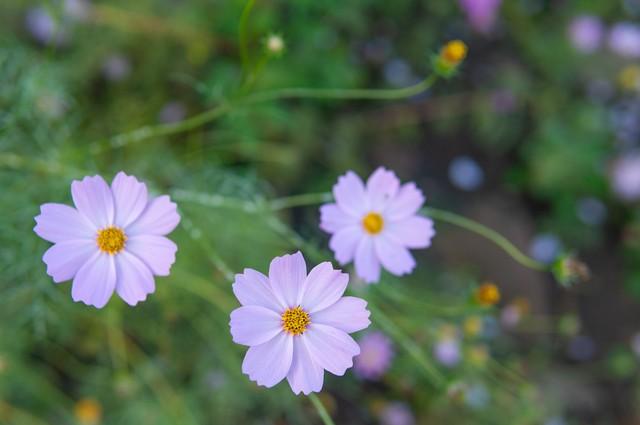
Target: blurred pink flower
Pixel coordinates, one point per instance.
(375, 356)
(447, 352)
(625, 177)
(374, 225)
(296, 325)
(586, 33)
(112, 241)
(397, 413)
(624, 40)
(481, 14)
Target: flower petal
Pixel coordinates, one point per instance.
(287, 275)
(393, 256)
(412, 232)
(157, 252)
(331, 348)
(323, 287)
(134, 279)
(305, 375)
(160, 217)
(349, 314)
(95, 281)
(333, 218)
(252, 288)
(130, 198)
(366, 261)
(345, 242)
(58, 222)
(269, 363)
(350, 194)
(382, 187)
(406, 203)
(65, 258)
(94, 200)
(253, 325)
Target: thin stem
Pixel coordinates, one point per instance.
(322, 411)
(484, 231)
(299, 201)
(148, 132)
(243, 38)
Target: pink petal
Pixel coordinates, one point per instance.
(157, 252)
(366, 261)
(333, 218)
(412, 232)
(393, 256)
(253, 325)
(134, 279)
(65, 258)
(269, 363)
(252, 288)
(406, 203)
(305, 376)
(349, 314)
(323, 287)
(344, 243)
(130, 198)
(95, 281)
(58, 222)
(94, 200)
(287, 275)
(331, 348)
(350, 194)
(382, 187)
(160, 217)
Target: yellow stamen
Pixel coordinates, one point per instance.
(454, 52)
(373, 223)
(111, 240)
(488, 294)
(295, 321)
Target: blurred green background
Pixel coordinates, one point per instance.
(538, 137)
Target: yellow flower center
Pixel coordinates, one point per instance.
(454, 52)
(373, 223)
(488, 294)
(111, 240)
(295, 321)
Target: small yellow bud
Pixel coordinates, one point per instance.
(88, 411)
(472, 326)
(487, 294)
(478, 355)
(629, 78)
(453, 52)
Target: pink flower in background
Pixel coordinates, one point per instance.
(374, 225)
(625, 177)
(296, 325)
(376, 352)
(112, 241)
(447, 352)
(624, 40)
(586, 33)
(481, 14)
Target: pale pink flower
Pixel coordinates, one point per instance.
(375, 225)
(376, 352)
(296, 325)
(112, 241)
(481, 14)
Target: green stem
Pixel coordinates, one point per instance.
(299, 201)
(148, 132)
(486, 232)
(243, 38)
(322, 411)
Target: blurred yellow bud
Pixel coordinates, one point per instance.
(478, 355)
(487, 294)
(629, 78)
(472, 326)
(453, 52)
(88, 411)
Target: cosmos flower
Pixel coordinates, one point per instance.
(397, 413)
(481, 14)
(625, 177)
(296, 325)
(112, 241)
(375, 225)
(624, 40)
(375, 356)
(447, 352)
(586, 33)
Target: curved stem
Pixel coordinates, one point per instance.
(322, 411)
(206, 117)
(484, 231)
(243, 38)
